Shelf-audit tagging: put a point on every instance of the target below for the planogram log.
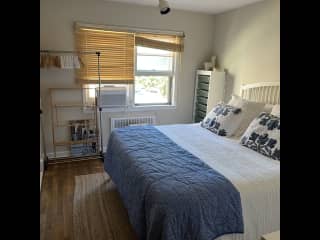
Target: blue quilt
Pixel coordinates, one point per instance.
(169, 193)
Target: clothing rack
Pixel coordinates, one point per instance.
(72, 52)
(98, 53)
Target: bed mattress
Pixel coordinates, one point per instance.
(255, 176)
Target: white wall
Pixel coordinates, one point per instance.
(56, 32)
(247, 44)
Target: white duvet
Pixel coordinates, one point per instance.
(256, 177)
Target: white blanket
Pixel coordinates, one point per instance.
(256, 177)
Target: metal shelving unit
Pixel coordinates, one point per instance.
(86, 119)
(56, 107)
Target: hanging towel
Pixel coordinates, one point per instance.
(76, 62)
(55, 62)
(44, 61)
(62, 61)
(66, 62)
(69, 62)
(48, 61)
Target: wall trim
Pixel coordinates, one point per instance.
(41, 164)
(58, 154)
(63, 154)
(41, 178)
(41, 171)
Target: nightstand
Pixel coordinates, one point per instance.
(271, 236)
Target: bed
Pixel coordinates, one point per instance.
(183, 182)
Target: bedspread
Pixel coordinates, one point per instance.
(169, 193)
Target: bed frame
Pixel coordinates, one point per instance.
(266, 92)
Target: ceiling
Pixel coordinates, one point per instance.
(206, 6)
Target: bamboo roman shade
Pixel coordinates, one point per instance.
(172, 43)
(116, 59)
(117, 47)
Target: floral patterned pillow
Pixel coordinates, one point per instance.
(223, 119)
(263, 135)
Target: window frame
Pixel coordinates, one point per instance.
(169, 74)
(172, 93)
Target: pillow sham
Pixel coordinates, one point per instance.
(263, 135)
(223, 119)
(250, 110)
(236, 101)
(267, 108)
(276, 110)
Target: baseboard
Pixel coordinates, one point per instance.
(63, 154)
(41, 165)
(41, 171)
(59, 154)
(41, 177)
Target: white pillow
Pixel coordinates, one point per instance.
(236, 101)
(239, 102)
(268, 108)
(276, 110)
(223, 119)
(250, 111)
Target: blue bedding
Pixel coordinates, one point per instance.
(169, 193)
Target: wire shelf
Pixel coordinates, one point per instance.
(80, 136)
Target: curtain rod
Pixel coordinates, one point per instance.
(76, 52)
(128, 29)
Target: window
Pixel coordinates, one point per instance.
(143, 61)
(154, 73)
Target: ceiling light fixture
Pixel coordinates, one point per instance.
(164, 7)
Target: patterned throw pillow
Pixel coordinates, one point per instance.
(223, 119)
(263, 135)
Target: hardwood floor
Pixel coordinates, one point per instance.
(57, 202)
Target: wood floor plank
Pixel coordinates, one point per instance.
(99, 221)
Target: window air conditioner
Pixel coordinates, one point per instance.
(113, 97)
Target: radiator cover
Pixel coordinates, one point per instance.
(132, 121)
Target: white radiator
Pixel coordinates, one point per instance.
(132, 121)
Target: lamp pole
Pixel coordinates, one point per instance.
(99, 106)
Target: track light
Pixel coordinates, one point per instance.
(164, 7)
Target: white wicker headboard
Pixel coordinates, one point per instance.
(266, 92)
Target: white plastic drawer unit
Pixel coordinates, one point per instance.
(209, 90)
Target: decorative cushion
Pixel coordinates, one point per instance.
(263, 135)
(268, 108)
(237, 101)
(250, 110)
(276, 110)
(222, 119)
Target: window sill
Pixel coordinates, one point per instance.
(153, 107)
(141, 108)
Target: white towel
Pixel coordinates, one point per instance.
(66, 62)
(62, 61)
(69, 62)
(76, 63)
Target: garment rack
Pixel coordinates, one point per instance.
(73, 52)
(98, 53)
